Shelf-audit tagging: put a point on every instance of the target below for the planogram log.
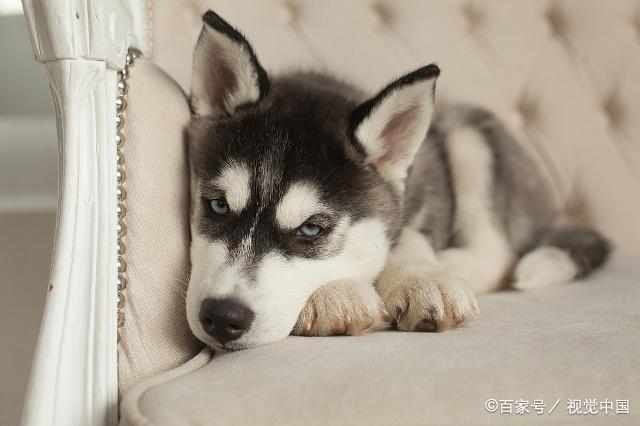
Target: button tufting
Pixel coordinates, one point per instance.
(613, 110)
(289, 11)
(194, 11)
(528, 110)
(557, 20)
(383, 15)
(473, 15)
(636, 23)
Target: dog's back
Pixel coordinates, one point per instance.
(473, 185)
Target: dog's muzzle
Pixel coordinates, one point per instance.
(225, 320)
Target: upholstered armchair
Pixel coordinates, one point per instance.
(562, 74)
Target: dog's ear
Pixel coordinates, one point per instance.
(226, 71)
(390, 127)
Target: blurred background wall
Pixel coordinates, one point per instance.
(28, 185)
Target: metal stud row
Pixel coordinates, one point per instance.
(121, 106)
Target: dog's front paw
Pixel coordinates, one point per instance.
(429, 301)
(341, 307)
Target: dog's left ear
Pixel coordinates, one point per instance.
(226, 71)
(390, 127)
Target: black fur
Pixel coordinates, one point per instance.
(587, 248)
(216, 22)
(361, 112)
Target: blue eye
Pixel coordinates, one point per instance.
(309, 230)
(219, 206)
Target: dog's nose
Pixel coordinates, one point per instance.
(224, 319)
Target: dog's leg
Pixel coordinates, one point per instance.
(484, 256)
(484, 261)
(419, 295)
(341, 307)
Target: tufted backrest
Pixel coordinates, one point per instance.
(563, 75)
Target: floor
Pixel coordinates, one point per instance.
(26, 242)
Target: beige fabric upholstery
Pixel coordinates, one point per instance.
(155, 336)
(562, 74)
(568, 342)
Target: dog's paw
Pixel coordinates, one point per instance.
(341, 307)
(430, 301)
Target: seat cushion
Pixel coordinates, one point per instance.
(155, 336)
(577, 341)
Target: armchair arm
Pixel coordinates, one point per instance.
(82, 46)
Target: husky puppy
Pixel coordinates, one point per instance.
(318, 210)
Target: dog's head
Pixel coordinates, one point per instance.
(294, 183)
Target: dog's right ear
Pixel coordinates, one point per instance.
(390, 127)
(226, 71)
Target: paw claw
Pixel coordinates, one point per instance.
(433, 302)
(426, 324)
(339, 328)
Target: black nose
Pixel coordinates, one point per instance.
(224, 319)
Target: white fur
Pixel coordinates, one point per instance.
(485, 256)
(543, 267)
(414, 248)
(415, 288)
(235, 180)
(412, 103)
(281, 286)
(299, 203)
(348, 307)
(217, 50)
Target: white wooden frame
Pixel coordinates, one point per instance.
(82, 44)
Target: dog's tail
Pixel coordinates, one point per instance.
(562, 254)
